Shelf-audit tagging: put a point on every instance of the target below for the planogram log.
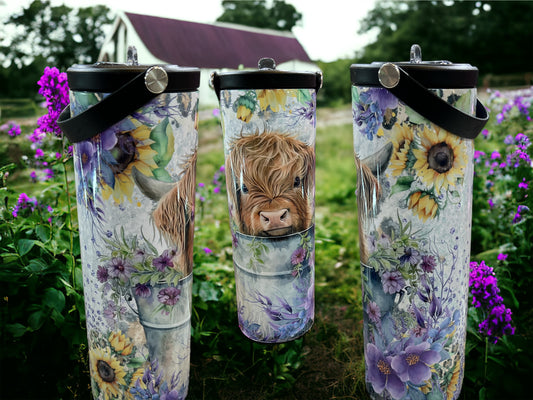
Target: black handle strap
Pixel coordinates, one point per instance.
(115, 107)
(431, 106)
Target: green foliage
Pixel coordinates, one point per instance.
(460, 31)
(504, 240)
(57, 35)
(334, 91)
(279, 16)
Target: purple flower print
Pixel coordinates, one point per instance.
(381, 374)
(374, 312)
(169, 295)
(392, 281)
(120, 268)
(298, 256)
(143, 290)
(410, 256)
(414, 363)
(102, 274)
(428, 263)
(163, 261)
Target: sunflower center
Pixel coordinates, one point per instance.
(124, 152)
(412, 359)
(440, 158)
(384, 367)
(105, 371)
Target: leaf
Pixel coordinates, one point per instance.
(304, 96)
(163, 138)
(36, 320)
(54, 299)
(17, 330)
(24, 246)
(36, 265)
(161, 174)
(43, 232)
(403, 183)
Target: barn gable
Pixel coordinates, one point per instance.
(206, 46)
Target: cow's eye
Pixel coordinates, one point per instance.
(297, 181)
(244, 189)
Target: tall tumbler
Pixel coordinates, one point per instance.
(414, 125)
(134, 134)
(268, 122)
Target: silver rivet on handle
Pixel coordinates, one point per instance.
(156, 80)
(389, 75)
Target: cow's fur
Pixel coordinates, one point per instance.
(273, 184)
(369, 192)
(173, 215)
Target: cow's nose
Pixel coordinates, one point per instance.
(275, 219)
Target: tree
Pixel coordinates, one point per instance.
(494, 36)
(59, 34)
(279, 16)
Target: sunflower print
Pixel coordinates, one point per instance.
(132, 149)
(441, 159)
(120, 343)
(275, 98)
(106, 372)
(423, 205)
(401, 140)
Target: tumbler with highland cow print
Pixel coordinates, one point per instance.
(268, 120)
(414, 125)
(134, 134)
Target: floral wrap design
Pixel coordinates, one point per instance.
(269, 141)
(414, 197)
(135, 187)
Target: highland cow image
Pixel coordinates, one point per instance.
(273, 184)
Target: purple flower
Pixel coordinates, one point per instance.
(491, 203)
(143, 290)
(497, 324)
(164, 260)
(410, 256)
(495, 155)
(374, 312)
(502, 257)
(523, 185)
(392, 281)
(485, 295)
(102, 274)
(85, 153)
(428, 263)
(381, 374)
(414, 363)
(298, 256)
(120, 268)
(519, 210)
(169, 295)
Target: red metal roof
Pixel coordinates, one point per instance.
(200, 45)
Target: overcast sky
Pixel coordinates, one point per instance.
(328, 30)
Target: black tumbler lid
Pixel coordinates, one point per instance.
(266, 77)
(108, 77)
(432, 74)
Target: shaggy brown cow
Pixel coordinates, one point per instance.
(369, 191)
(273, 184)
(173, 215)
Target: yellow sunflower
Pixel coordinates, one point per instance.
(137, 376)
(275, 98)
(106, 372)
(452, 387)
(423, 205)
(121, 344)
(401, 141)
(441, 160)
(132, 149)
(244, 113)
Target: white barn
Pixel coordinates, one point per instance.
(210, 47)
